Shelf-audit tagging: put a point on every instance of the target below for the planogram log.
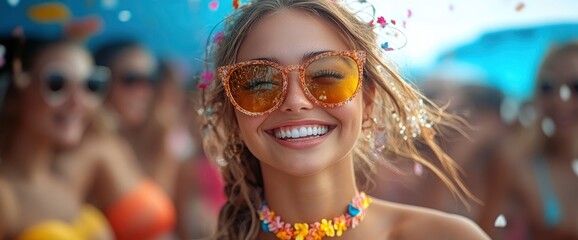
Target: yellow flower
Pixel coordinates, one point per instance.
(301, 231)
(340, 226)
(366, 201)
(327, 228)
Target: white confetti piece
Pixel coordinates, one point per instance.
(575, 166)
(124, 16)
(548, 127)
(565, 93)
(500, 221)
(109, 4)
(13, 3)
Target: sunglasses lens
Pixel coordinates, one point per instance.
(546, 87)
(134, 79)
(97, 83)
(256, 88)
(332, 79)
(55, 83)
(54, 91)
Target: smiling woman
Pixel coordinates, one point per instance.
(296, 147)
(53, 92)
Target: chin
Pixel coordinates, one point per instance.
(303, 167)
(70, 138)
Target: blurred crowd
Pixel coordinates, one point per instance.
(519, 160)
(100, 145)
(105, 144)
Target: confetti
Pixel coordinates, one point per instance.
(218, 37)
(82, 29)
(548, 127)
(214, 5)
(109, 4)
(206, 78)
(13, 3)
(520, 7)
(409, 13)
(236, 4)
(381, 21)
(404, 24)
(500, 221)
(451, 7)
(575, 166)
(371, 23)
(49, 13)
(392, 21)
(565, 93)
(418, 169)
(124, 16)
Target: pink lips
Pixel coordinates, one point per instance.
(301, 135)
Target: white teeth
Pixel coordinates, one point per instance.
(300, 132)
(294, 133)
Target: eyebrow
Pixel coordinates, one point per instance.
(305, 57)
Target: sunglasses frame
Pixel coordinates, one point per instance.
(82, 85)
(556, 86)
(224, 73)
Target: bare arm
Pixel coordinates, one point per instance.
(7, 209)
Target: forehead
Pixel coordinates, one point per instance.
(563, 67)
(134, 59)
(69, 59)
(288, 34)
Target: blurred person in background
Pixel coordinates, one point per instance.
(53, 90)
(537, 191)
(550, 171)
(150, 109)
(59, 150)
(488, 157)
(481, 153)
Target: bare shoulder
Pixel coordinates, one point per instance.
(8, 208)
(411, 222)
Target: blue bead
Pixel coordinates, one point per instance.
(265, 227)
(353, 211)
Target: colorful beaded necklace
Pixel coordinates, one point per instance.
(315, 231)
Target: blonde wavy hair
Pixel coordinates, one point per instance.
(396, 105)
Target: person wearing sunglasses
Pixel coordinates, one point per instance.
(53, 91)
(131, 91)
(131, 97)
(303, 108)
(552, 166)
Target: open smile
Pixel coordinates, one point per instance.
(302, 132)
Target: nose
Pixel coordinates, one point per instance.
(296, 100)
(77, 97)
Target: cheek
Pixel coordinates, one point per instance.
(350, 116)
(248, 126)
(33, 106)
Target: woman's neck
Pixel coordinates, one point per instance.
(28, 156)
(309, 199)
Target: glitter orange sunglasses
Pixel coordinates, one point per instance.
(258, 87)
